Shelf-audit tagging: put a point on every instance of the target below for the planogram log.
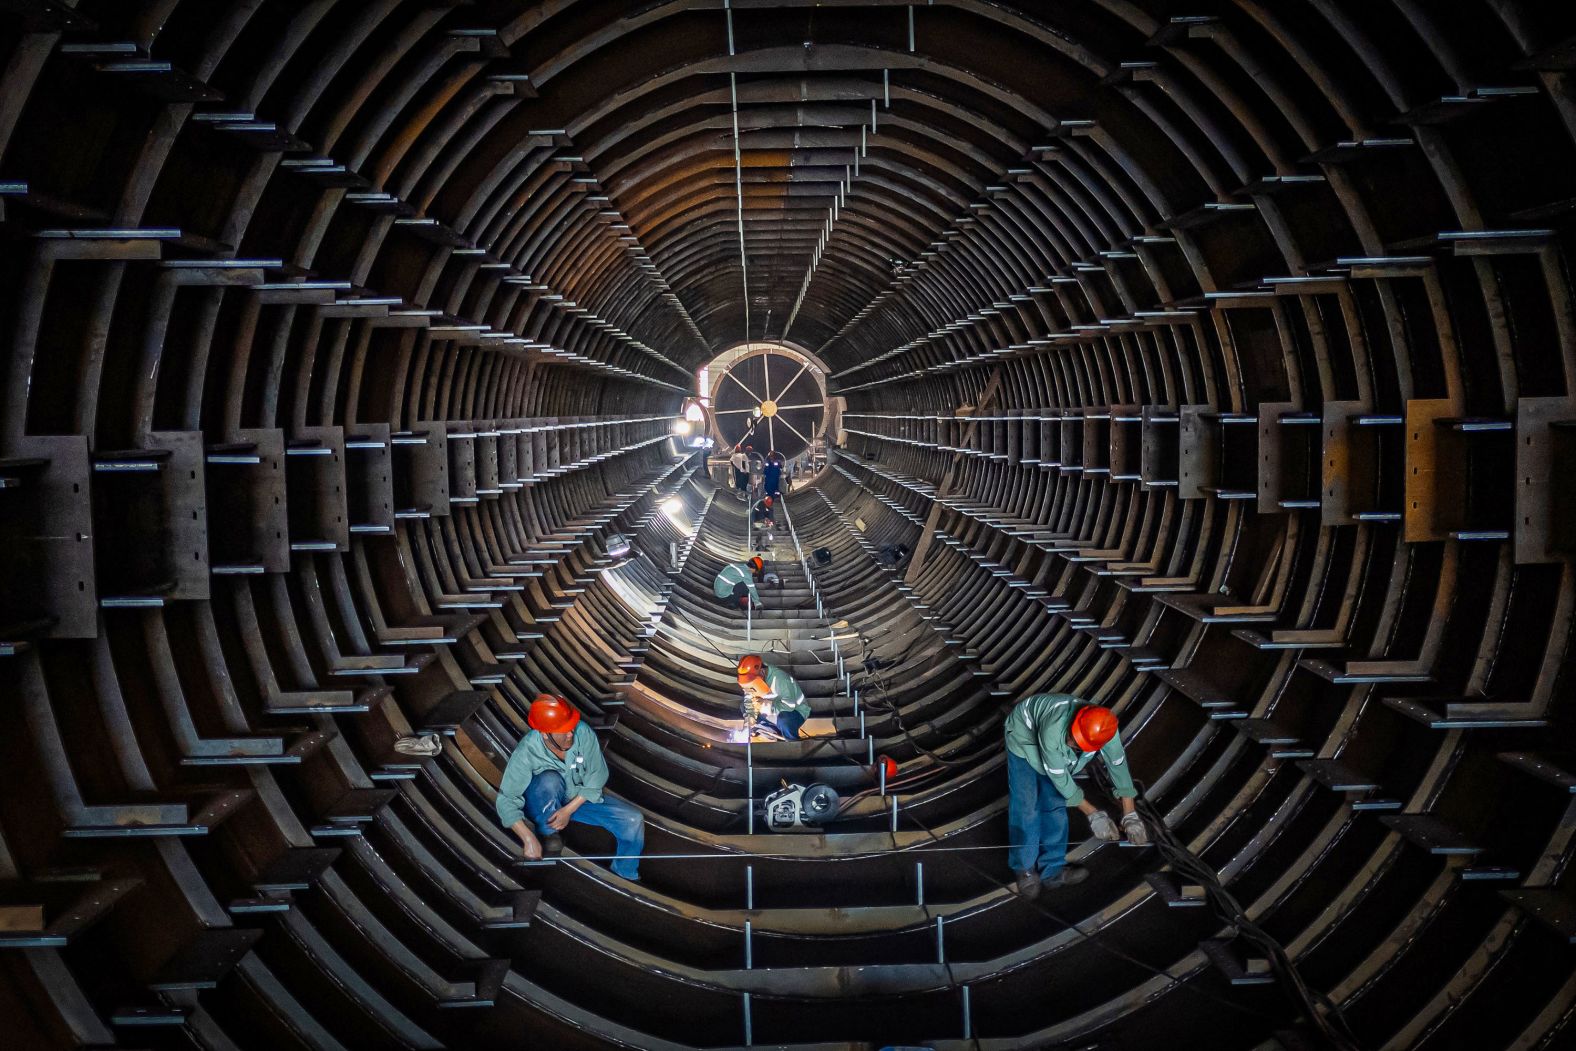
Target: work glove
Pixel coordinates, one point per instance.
(424, 745)
(1137, 833)
(1103, 827)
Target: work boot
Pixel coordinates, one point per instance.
(1069, 875)
(1028, 885)
(552, 844)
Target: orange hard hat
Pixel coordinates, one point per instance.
(758, 562)
(887, 763)
(750, 667)
(1092, 727)
(552, 715)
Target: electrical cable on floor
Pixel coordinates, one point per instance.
(1318, 1008)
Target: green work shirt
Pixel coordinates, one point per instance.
(583, 769)
(785, 695)
(735, 573)
(1037, 731)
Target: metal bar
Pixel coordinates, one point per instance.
(941, 939)
(919, 883)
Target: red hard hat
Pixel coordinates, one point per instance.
(552, 715)
(750, 668)
(1092, 727)
(768, 501)
(889, 765)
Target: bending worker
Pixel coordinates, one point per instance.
(772, 696)
(762, 512)
(1051, 737)
(556, 775)
(736, 582)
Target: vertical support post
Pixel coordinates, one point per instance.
(870, 742)
(919, 883)
(894, 813)
(749, 887)
(883, 777)
(749, 947)
(749, 773)
(856, 702)
(861, 724)
(749, 1030)
(941, 939)
(968, 1018)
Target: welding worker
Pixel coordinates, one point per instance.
(737, 582)
(1051, 737)
(556, 775)
(740, 462)
(771, 695)
(762, 512)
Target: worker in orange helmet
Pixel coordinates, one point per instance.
(736, 583)
(557, 775)
(771, 695)
(763, 513)
(1051, 737)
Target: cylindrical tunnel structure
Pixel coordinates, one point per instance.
(1212, 361)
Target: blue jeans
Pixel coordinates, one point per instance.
(1036, 820)
(545, 795)
(789, 723)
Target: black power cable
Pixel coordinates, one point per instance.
(1319, 1010)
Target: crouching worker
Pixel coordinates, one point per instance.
(762, 513)
(1051, 737)
(772, 696)
(555, 776)
(736, 582)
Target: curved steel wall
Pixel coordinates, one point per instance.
(1216, 361)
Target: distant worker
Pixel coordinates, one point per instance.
(772, 473)
(762, 513)
(1051, 737)
(740, 461)
(736, 582)
(772, 696)
(555, 776)
(757, 468)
